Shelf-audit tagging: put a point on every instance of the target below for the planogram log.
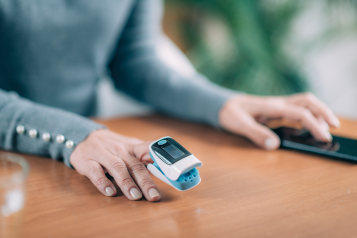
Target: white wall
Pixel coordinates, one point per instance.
(331, 66)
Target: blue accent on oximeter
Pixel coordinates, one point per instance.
(186, 181)
(161, 142)
(173, 164)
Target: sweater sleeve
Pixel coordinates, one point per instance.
(137, 70)
(32, 128)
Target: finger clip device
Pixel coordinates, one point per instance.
(173, 164)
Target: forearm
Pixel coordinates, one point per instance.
(138, 70)
(193, 98)
(16, 112)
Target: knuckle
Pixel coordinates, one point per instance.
(100, 181)
(134, 141)
(95, 174)
(145, 183)
(309, 96)
(137, 168)
(118, 165)
(120, 148)
(81, 171)
(126, 181)
(280, 105)
(306, 114)
(94, 170)
(275, 103)
(270, 102)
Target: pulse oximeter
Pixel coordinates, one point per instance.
(173, 164)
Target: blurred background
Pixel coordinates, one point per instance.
(262, 47)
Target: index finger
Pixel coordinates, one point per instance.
(317, 107)
(142, 152)
(142, 178)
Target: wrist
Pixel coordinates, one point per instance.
(81, 139)
(228, 111)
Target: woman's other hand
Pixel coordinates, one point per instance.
(245, 114)
(122, 157)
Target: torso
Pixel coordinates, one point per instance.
(54, 52)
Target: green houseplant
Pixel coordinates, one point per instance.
(241, 44)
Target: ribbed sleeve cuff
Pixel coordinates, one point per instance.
(47, 131)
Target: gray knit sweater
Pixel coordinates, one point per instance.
(52, 54)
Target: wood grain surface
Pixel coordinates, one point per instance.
(245, 192)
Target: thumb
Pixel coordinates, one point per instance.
(261, 135)
(142, 152)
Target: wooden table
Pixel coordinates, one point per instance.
(245, 192)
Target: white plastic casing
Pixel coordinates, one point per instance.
(182, 166)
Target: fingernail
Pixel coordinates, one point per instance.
(153, 193)
(270, 144)
(135, 193)
(328, 136)
(336, 122)
(109, 191)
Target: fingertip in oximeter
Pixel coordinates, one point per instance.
(173, 164)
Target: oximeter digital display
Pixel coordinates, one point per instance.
(169, 151)
(173, 164)
(173, 151)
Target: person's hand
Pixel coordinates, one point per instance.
(246, 114)
(122, 157)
